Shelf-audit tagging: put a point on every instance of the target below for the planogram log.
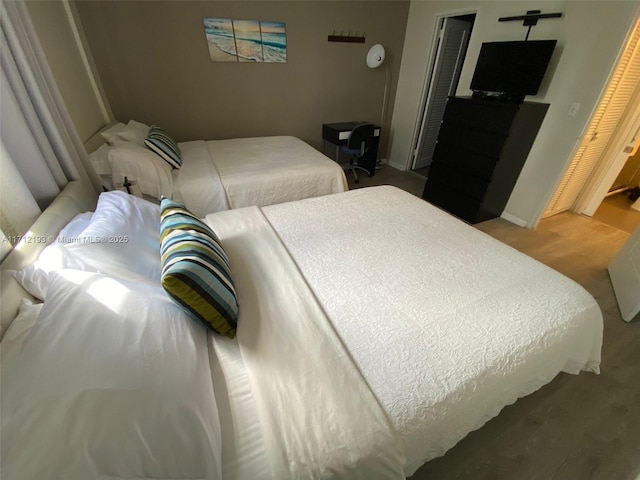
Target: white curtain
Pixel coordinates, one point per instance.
(40, 148)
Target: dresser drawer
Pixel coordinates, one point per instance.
(484, 143)
(458, 180)
(487, 116)
(452, 201)
(469, 162)
(481, 148)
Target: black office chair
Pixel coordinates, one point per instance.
(359, 142)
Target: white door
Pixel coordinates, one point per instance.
(624, 271)
(452, 46)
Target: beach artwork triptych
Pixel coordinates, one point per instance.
(245, 40)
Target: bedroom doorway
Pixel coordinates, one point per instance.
(591, 180)
(620, 207)
(450, 48)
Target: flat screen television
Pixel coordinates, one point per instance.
(514, 68)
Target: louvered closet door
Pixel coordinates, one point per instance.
(454, 37)
(603, 124)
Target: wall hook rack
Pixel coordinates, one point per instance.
(348, 38)
(530, 19)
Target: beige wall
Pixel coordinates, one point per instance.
(153, 61)
(590, 35)
(54, 25)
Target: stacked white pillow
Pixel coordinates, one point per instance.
(111, 134)
(100, 159)
(124, 155)
(107, 241)
(35, 278)
(134, 132)
(153, 175)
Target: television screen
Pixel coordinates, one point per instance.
(513, 68)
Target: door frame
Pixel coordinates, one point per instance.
(611, 162)
(427, 80)
(436, 82)
(587, 194)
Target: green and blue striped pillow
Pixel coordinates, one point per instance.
(162, 144)
(195, 269)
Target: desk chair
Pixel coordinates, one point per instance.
(359, 142)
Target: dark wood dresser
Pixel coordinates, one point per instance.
(481, 148)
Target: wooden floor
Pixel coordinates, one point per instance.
(616, 211)
(577, 427)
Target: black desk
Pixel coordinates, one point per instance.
(338, 133)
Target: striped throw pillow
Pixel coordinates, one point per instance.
(195, 269)
(159, 142)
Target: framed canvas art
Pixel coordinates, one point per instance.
(245, 40)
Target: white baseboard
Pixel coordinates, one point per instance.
(397, 166)
(513, 219)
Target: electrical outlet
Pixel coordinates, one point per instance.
(573, 109)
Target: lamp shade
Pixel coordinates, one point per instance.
(375, 57)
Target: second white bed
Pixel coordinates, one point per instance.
(224, 174)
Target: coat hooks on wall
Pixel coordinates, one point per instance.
(348, 38)
(530, 19)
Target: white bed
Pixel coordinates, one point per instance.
(365, 346)
(219, 175)
(253, 171)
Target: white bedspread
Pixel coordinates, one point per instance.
(197, 183)
(319, 417)
(447, 324)
(254, 171)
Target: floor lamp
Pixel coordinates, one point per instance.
(375, 58)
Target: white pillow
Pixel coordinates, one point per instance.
(100, 159)
(123, 238)
(114, 381)
(107, 182)
(137, 163)
(35, 278)
(135, 132)
(110, 134)
(75, 227)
